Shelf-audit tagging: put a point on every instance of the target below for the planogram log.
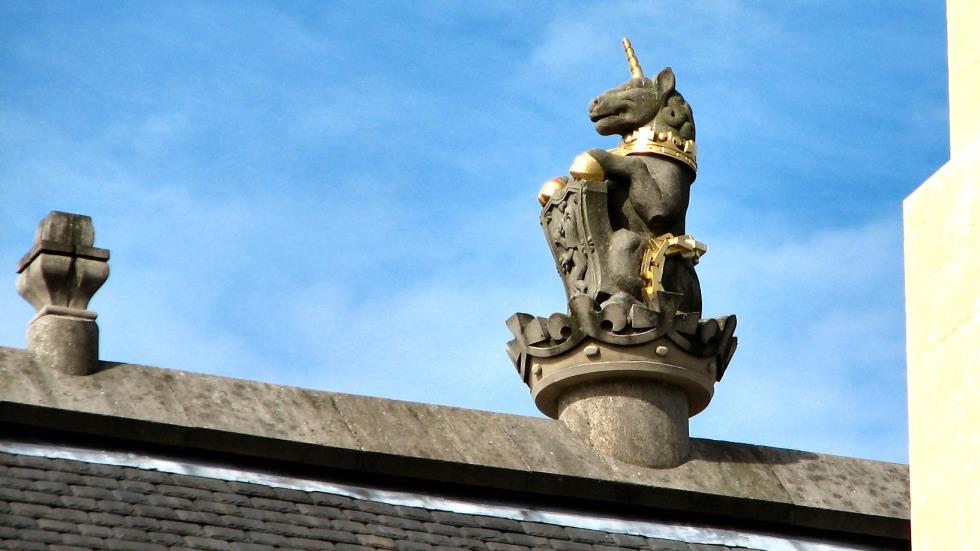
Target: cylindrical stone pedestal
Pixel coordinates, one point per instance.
(67, 343)
(640, 421)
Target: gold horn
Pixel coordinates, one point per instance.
(635, 70)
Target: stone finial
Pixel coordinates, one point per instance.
(59, 276)
(633, 359)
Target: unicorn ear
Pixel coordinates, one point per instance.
(665, 82)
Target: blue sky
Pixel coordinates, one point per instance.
(341, 195)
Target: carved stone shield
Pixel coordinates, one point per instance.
(577, 227)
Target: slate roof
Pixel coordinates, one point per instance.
(64, 505)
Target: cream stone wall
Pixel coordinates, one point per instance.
(942, 281)
(963, 27)
(942, 297)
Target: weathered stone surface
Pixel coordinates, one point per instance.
(638, 422)
(68, 343)
(62, 268)
(58, 277)
(433, 443)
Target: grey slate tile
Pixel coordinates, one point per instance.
(183, 492)
(168, 502)
(348, 526)
(216, 507)
(24, 545)
(42, 536)
(132, 534)
(264, 515)
(117, 507)
(30, 510)
(287, 529)
(55, 525)
(106, 519)
(375, 542)
(273, 504)
(588, 536)
(50, 487)
(338, 536)
(320, 498)
(89, 542)
(17, 483)
(231, 498)
(414, 513)
(468, 543)
(248, 546)
(454, 519)
(429, 538)
(41, 498)
(408, 545)
(198, 517)
(439, 528)
(144, 475)
(294, 496)
(544, 530)
(227, 534)
(251, 490)
(568, 545)
(27, 473)
(629, 540)
(400, 522)
(482, 534)
(360, 516)
(525, 540)
(382, 530)
(268, 539)
(375, 507)
(352, 547)
(308, 521)
(182, 528)
(242, 523)
(95, 531)
(502, 524)
(100, 482)
(136, 486)
(80, 503)
(145, 546)
(209, 544)
(669, 545)
(153, 511)
(145, 524)
(18, 521)
(165, 538)
(311, 544)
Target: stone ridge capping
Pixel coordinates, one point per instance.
(58, 277)
(75, 503)
(465, 448)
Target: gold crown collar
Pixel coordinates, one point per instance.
(647, 141)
